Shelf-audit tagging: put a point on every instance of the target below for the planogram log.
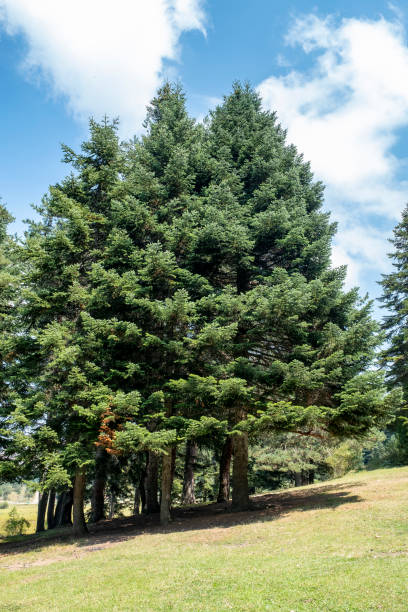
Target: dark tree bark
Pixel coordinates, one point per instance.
(311, 476)
(50, 510)
(112, 504)
(152, 486)
(98, 500)
(305, 477)
(225, 468)
(136, 501)
(42, 507)
(142, 490)
(98, 488)
(64, 508)
(58, 509)
(173, 464)
(78, 515)
(165, 501)
(240, 493)
(189, 465)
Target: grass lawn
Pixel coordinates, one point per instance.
(337, 546)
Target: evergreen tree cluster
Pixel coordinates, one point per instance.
(176, 293)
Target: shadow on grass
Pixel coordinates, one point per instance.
(264, 507)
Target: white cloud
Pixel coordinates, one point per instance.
(105, 56)
(364, 250)
(188, 15)
(344, 113)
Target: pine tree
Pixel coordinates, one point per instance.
(7, 294)
(62, 252)
(270, 326)
(143, 284)
(395, 326)
(395, 299)
(278, 332)
(9, 285)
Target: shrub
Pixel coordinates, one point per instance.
(16, 524)
(3, 505)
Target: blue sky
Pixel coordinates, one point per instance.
(336, 73)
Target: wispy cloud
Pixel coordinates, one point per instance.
(344, 113)
(104, 56)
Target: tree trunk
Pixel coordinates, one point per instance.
(112, 504)
(305, 477)
(142, 490)
(98, 500)
(165, 502)
(311, 477)
(58, 509)
(98, 488)
(79, 523)
(152, 474)
(298, 479)
(188, 484)
(173, 464)
(42, 507)
(50, 510)
(240, 494)
(136, 501)
(64, 508)
(225, 468)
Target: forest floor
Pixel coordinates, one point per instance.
(336, 546)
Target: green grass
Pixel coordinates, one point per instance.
(343, 549)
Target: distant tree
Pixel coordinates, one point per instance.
(290, 459)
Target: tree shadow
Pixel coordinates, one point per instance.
(264, 507)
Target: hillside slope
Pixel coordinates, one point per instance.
(337, 546)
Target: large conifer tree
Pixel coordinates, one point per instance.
(8, 298)
(276, 323)
(164, 177)
(70, 388)
(395, 299)
(395, 325)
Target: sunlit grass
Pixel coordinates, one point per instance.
(346, 550)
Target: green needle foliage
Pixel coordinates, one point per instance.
(395, 299)
(394, 356)
(10, 379)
